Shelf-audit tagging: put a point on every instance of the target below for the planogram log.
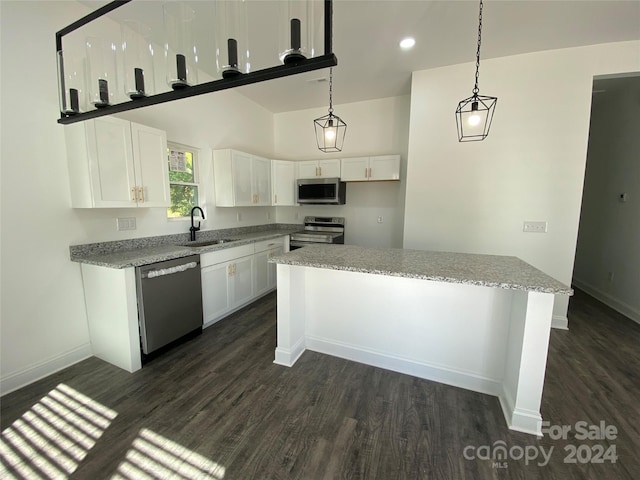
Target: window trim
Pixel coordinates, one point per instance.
(195, 152)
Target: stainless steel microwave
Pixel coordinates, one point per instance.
(321, 191)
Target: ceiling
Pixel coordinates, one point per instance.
(367, 33)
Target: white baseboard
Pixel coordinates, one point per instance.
(619, 306)
(519, 420)
(436, 373)
(561, 322)
(35, 372)
(288, 357)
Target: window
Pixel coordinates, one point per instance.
(183, 179)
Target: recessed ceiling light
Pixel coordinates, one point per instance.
(407, 43)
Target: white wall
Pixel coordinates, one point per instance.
(609, 235)
(474, 197)
(43, 319)
(375, 127)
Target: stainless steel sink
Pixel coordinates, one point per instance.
(206, 243)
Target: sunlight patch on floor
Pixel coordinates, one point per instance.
(153, 456)
(54, 436)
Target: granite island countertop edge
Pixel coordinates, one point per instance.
(544, 283)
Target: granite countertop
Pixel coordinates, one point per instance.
(472, 269)
(144, 251)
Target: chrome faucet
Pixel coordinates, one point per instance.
(193, 228)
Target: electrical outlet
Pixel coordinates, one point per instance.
(126, 223)
(268, 215)
(239, 217)
(610, 277)
(380, 219)
(535, 227)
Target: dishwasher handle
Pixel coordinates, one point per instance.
(169, 271)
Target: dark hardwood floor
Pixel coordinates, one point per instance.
(217, 407)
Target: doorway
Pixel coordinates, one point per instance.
(608, 248)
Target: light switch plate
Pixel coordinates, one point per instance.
(535, 227)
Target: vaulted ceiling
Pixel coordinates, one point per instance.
(367, 33)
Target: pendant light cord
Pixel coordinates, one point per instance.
(331, 91)
(475, 88)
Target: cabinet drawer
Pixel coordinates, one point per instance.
(269, 244)
(226, 255)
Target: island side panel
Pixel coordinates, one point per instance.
(528, 345)
(291, 314)
(112, 314)
(447, 332)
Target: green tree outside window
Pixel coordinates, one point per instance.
(183, 185)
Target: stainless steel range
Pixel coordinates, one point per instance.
(319, 230)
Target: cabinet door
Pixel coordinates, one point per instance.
(242, 281)
(308, 169)
(283, 182)
(150, 161)
(329, 168)
(215, 291)
(261, 272)
(111, 162)
(355, 169)
(261, 173)
(242, 181)
(384, 167)
(272, 268)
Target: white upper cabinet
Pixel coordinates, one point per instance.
(355, 169)
(366, 169)
(241, 179)
(150, 165)
(283, 183)
(329, 168)
(114, 163)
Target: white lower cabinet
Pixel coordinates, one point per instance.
(234, 277)
(241, 279)
(216, 300)
(264, 273)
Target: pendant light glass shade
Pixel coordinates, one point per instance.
(474, 114)
(232, 38)
(330, 129)
(298, 26)
(101, 80)
(137, 55)
(181, 54)
(70, 85)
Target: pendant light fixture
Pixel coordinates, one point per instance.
(474, 114)
(91, 74)
(330, 129)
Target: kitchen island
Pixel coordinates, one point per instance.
(480, 322)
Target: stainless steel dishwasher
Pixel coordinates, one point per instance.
(169, 301)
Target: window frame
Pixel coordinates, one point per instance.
(195, 157)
